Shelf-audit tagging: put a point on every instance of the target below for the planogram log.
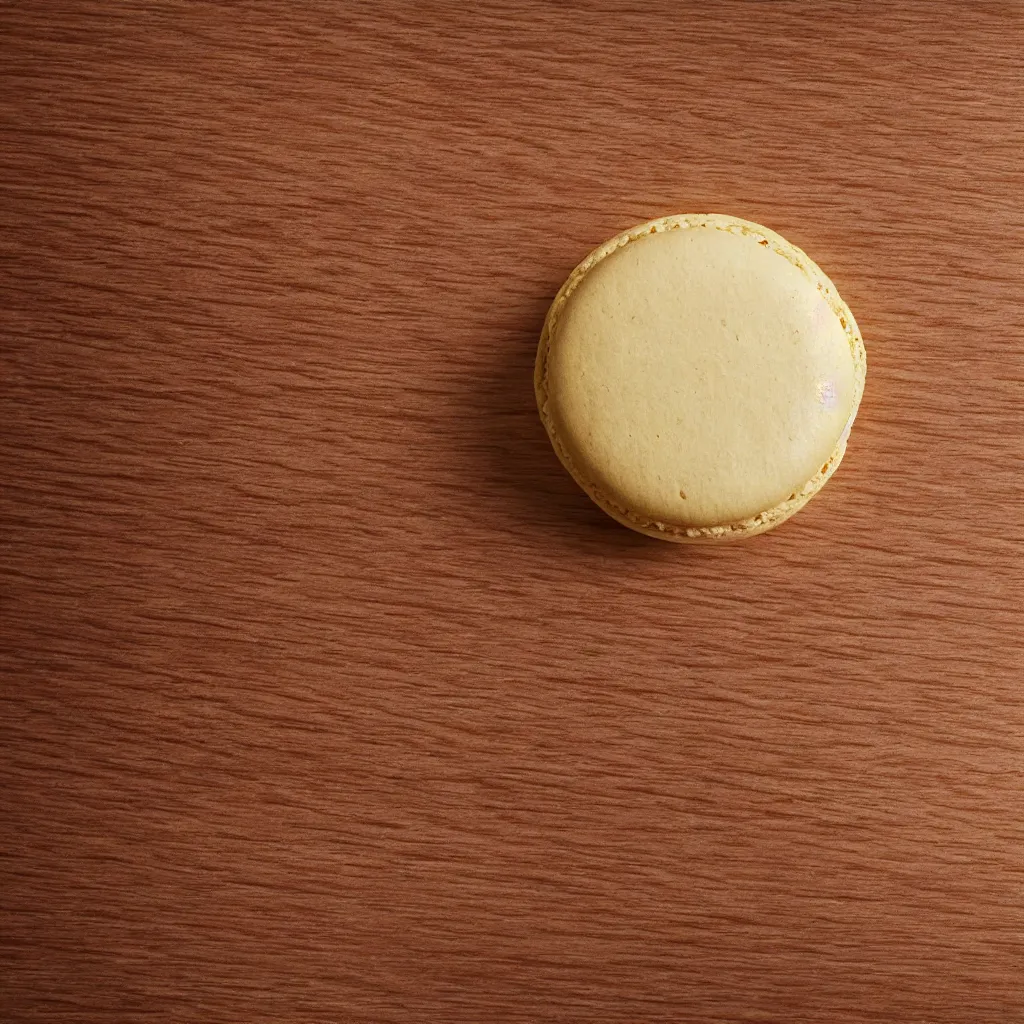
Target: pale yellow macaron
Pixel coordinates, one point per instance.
(698, 376)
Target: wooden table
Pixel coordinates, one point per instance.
(326, 695)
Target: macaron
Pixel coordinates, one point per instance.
(698, 376)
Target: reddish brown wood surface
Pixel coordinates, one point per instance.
(326, 695)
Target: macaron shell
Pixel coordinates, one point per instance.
(698, 376)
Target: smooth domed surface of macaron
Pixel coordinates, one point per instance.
(698, 376)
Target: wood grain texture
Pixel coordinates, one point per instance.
(326, 695)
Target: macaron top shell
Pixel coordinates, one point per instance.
(698, 372)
